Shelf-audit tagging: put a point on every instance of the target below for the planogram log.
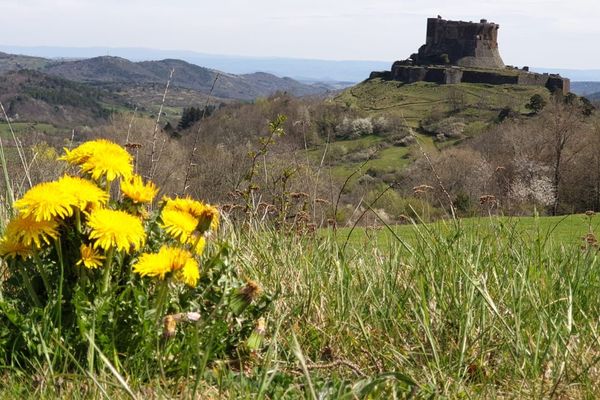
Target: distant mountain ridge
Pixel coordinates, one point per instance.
(117, 70)
(594, 96)
(300, 69)
(585, 88)
(335, 71)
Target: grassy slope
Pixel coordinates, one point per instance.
(414, 103)
(417, 101)
(386, 159)
(23, 128)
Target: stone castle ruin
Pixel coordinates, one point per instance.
(465, 44)
(458, 51)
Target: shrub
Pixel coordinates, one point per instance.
(536, 103)
(400, 207)
(380, 125)
(449, 127)
(351, 129)
(506, 112)
(362, 127)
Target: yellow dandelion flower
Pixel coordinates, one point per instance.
(137, 191)
(86, 194)
(179, 224)
(81, 153)
(186, 204)
(11, 247)
(90, 258)
(207, 216)
(30, 232)
(152, 264)
(101, 158)
(190, 273)
(46, 201)
(115, 229)
(109, 166)
(168, 259)
(179, 257)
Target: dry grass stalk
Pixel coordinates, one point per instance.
(153, 160)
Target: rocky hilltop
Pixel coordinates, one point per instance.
(465, 52)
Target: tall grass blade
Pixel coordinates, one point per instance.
(112, 369)
(298, 353)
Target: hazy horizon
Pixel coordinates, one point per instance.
(549, 33)
(319, 70)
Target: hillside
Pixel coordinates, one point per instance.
(110, 70)
(417, 102)
(71, 92)
(439, 116)
(33, 96)
(349, 71)
(12, 62)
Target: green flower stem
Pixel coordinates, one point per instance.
(107, 265)
(29, 287)
(196, 243)
(108, 187)
(59, 253)
(42, 271)
(161, 299)
(78, 220)
(82, 274)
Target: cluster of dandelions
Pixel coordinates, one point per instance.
(78, 211)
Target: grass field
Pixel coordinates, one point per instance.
(24, 128)
(488, 308)
(386, 159)
(568, 231)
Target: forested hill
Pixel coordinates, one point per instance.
(115, 70)
(34, 96)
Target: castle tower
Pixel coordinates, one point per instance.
(466, 44)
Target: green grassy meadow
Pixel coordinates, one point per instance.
(484, 308)
(24, 128)
(568, 231)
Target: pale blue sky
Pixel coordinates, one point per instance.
(552, 33)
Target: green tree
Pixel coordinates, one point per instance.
(191, 115)
(536, 103)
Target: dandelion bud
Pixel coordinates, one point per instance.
(244, 296)
(170, 326)
(208, 219)
(257, 336)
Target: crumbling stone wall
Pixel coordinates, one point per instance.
(452, 75)
(489, 77)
